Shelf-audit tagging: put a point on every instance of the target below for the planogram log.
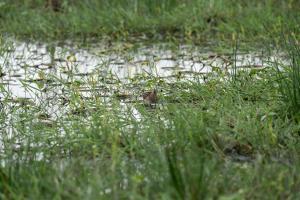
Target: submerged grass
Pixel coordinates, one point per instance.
(189, 20)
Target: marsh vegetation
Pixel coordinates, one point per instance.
(148, 99)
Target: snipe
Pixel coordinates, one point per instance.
(150, 97)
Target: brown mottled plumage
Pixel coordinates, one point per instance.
(150, 97)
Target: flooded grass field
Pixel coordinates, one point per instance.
(161, 114)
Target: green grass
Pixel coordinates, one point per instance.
(175, 20)
(186, 149)
(235, 138)
(289, 75)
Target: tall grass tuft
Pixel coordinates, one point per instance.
(289, 75)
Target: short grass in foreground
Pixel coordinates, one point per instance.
(220, 139)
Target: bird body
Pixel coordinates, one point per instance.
(150, 97)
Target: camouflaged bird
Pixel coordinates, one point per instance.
(150, 97)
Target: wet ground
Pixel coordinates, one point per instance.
(56, 79)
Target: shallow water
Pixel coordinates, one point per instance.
(48, 75)
(28, 68)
